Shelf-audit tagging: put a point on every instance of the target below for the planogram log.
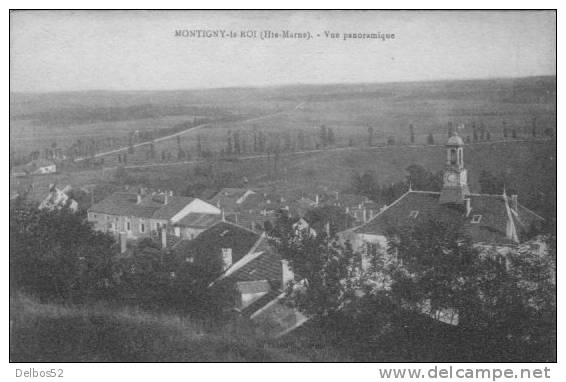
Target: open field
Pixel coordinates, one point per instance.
(528, 167)
(290, 117)
(349, 110)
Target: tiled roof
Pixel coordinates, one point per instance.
(351, 200)
(245, 219)
(266, 266)
(221, 235)
(261, 302)
(40, 163)
(199, 220)
(174, 205)
(256, 286)
(125, 204)
(227, 197)
(490, 229)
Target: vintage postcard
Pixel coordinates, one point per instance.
(284, 186)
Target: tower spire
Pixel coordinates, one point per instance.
(455, 188)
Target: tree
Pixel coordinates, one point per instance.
(423, 180)
(199, 145)
(330, 138)
(237, 147)
(490, 184)
(506, 300)
(56, 255)
(335, 217)
(130, 144)
(439, 267)
(430, 139)
(323, 267)
(229, 143)
(323, 136)
(366, 184)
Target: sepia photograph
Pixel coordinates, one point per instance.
(283, 186)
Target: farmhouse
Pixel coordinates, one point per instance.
(138, 215)
(58, 198)
(35, 167)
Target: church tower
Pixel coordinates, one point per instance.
(455, 188)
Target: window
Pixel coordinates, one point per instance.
(142, 227)
(128, 226)
(476, 219)
(414, 214)
(371, 249)
(453, 156)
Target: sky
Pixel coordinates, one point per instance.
(138, 50)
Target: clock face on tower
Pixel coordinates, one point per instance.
(450, 178)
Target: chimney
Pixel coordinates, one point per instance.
(468, 206)
(316, 199)
(163, 238)
(514, 202)
(227, 257)
(287, 275)
(327, 229)
(123, 242)
(364, 217)
(139, 199)
(166, 198)
(223, 216)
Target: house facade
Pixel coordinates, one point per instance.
(140, 216)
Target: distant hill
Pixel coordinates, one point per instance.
(523, 90)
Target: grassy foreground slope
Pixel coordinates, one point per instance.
(55, 333)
